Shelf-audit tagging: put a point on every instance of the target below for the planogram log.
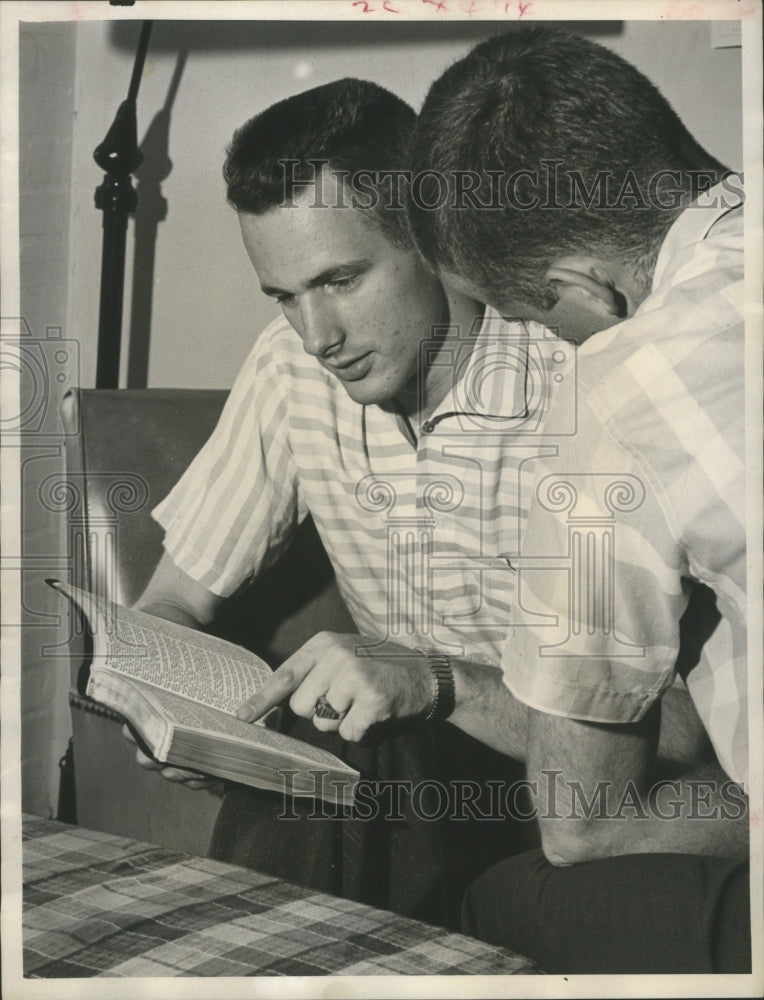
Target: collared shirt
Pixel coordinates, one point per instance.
(647, 501)
(421, 536)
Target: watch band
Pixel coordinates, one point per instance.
(443, 685)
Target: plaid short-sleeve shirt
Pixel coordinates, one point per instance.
(645, 503)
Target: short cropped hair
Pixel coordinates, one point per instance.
(537, 100)
(353, 126)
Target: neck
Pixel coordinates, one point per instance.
(424, 394)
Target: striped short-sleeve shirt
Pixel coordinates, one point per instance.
(421, 537)
(646, 502)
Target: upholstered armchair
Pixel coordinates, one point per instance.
(125, 450)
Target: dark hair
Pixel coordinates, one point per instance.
(539, 100)
(350, 125)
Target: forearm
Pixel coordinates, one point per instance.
(486, 709)
(683, 741)
(170, 611)
(600, 794)
(173, 595)
(701, 813)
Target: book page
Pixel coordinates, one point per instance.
(172, 657)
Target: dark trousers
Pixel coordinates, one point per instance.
(416, 855)
(642, 913)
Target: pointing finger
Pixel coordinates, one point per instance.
(278, 687)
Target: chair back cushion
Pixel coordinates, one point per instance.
(126, 449)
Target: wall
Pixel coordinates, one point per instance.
(195, 319)
(207, 307)
(46, 73)
(702, 83)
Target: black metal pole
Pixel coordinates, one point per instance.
(118, 155)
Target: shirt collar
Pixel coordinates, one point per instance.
(694, 224)
(491, 375)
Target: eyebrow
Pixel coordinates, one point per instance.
(329, 274)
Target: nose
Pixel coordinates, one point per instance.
(320, 328)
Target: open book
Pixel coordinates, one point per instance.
(180, 689)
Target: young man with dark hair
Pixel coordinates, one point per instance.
(569, 192)
(358, 130)
(346, 409)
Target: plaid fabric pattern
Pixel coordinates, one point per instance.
(100, 905)
(647, 501)
(421, 538)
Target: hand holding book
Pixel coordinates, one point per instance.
(194, 780)
(180, 689)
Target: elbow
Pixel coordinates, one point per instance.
(567, 842)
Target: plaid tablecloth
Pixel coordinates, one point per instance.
(100, 905)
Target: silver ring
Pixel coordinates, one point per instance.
(324, 710)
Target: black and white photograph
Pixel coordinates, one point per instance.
(381, 389)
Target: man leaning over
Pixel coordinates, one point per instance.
(613, 226)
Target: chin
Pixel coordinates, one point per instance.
(365, 395)
(368, 392)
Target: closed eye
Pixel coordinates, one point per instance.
(334, 279)
(335, 284)
(344, 283)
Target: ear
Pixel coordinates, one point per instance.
(589, 283)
